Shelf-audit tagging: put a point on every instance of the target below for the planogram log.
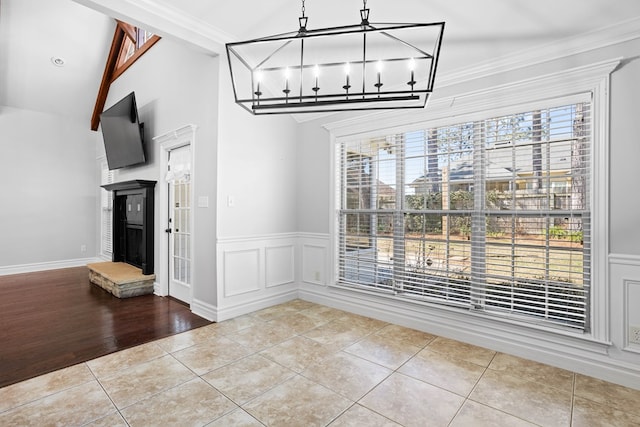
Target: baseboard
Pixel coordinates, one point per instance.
(157, 287)
(588, 358)
(204, 310)
(43, 266)
(219, 314)
(246, 307)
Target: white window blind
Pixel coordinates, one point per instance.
(106, 211)
(488, 215)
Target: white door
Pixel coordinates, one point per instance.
(179, 227)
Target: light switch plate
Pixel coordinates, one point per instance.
(203, 202)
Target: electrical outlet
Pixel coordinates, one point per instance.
(316, 276)
(634, 334)
(83, 248)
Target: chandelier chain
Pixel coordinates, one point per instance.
(304, 9)
(365, 4)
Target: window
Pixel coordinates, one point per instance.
(106, 212)
(135, 39)
(490, 215)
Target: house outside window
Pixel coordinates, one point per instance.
(490, 215)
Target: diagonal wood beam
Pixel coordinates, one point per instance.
(107, 76)
(112, 69)
(145, 47)
(129, 30)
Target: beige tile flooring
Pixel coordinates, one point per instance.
(303, 364)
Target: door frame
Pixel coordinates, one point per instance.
(180, 137)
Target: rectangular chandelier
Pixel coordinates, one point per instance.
(368, 66)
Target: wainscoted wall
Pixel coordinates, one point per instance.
(624, 273)
(314, 259)
(254, 273)
(617, 361)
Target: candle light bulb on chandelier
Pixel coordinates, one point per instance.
(287, 74)
(316, 73)
(316, 88)
(258, 77)
(347, 70)
(379, 68)
(412, 67)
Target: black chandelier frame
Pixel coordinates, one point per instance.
(366, 94)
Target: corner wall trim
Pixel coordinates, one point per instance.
(204, 310)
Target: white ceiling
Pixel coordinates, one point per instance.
(33, 31)
(478, 33)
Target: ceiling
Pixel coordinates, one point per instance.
(479, 34)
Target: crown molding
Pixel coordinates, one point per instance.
(585, 42)
(566, 82)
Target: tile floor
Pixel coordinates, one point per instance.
(302, 364)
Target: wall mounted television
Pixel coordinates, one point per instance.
(123, 134)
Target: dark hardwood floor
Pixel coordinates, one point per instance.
(54, 319)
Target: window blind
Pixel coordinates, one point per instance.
(106, 211)
(489, 215)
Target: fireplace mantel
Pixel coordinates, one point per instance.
(130, 185)
(132, 232)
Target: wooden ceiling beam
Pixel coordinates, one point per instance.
(128, 29)
(112, 70)
(121, 69)
(107, 77)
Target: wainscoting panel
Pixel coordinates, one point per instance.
(241, 271)
(315, 257)
(625, 299)
(257, 272)
(631, 292)
(279, 265)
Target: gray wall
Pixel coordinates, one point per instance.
(176, 86)
(257, 169)
(624, 159)
(47, 164)
(313, 177)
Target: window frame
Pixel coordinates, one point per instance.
(528, 94)
(414, 262)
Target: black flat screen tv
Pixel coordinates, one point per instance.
(123, 134)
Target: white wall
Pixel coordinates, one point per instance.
(175, 86)
(257, 169)
(611, 356)
(256, 205)
(48, 191)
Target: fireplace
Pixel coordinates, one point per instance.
(132, 223)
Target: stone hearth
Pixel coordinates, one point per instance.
(121, 279)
